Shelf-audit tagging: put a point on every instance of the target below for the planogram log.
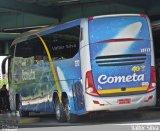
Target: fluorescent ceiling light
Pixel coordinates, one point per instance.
(67, 1)
(32, 27)
(3, 33)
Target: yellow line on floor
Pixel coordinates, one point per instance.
(28, 120)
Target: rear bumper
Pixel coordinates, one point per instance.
(111, 103)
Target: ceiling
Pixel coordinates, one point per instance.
(51, 2)
(55, 8)
(18, 15)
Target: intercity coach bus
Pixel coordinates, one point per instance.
(100, 63)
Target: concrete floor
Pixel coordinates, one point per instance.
(44, 120)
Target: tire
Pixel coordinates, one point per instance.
(59, 111)
(72, 118)
(19, 108)
(24, 113)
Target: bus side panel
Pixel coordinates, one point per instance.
(78, 97)
(30, 83)
(69, 75)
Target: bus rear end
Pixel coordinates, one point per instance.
(122, 74)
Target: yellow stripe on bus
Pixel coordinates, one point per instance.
(52, 67)
(112, 91)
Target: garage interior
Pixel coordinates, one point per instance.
(17, 16)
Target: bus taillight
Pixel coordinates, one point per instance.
(89, 84)
(152, 85)
(90, 18)
(142, 15)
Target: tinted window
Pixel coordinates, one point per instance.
(63, 44)
(29, 48)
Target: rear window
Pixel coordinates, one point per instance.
(102, 29)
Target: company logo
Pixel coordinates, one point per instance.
(104, 79)
(138, 68)
(28, 75)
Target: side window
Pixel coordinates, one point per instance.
(27, 54)
(24, 49)
(31, 50)
(63, 44)
(38, 51)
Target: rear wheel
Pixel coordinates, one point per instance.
(69, 116)
(59, 110)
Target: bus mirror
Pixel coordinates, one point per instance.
(3, 66)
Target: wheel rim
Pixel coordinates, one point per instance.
(58, 112)
(67, 110)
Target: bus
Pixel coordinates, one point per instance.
(100, 63)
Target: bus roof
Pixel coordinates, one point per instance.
(50, 29)
(43, 31)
